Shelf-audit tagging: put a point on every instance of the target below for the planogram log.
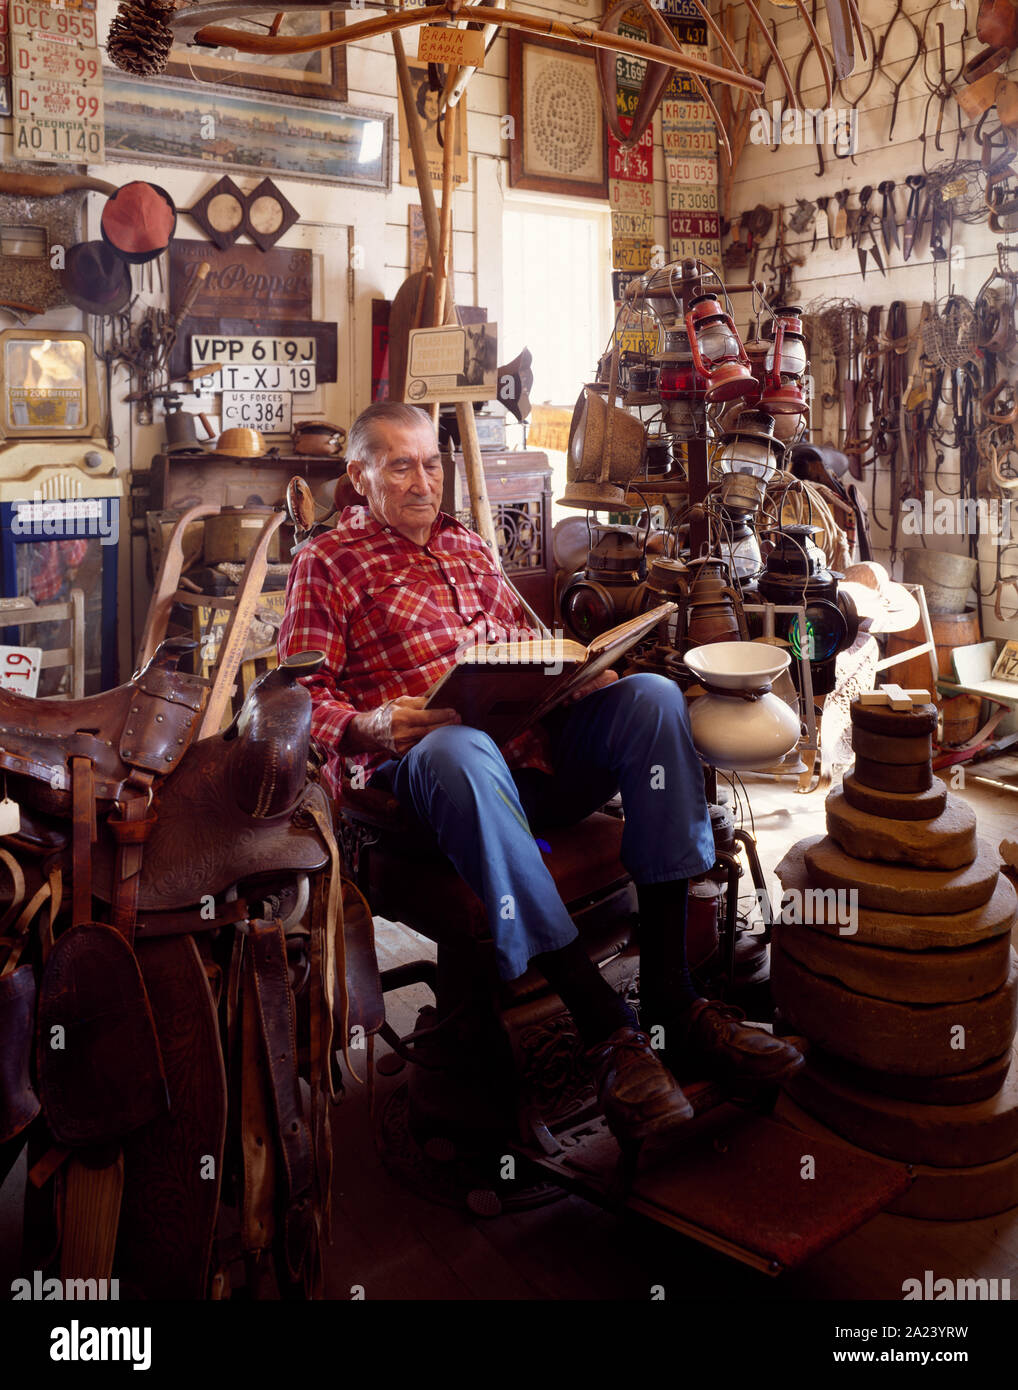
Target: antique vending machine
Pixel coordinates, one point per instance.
(61, 501)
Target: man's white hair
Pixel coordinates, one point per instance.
(363, 442)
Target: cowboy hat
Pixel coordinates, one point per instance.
(883, 606)
(95, 278)
(138, 222)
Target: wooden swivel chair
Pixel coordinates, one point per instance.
(501, 1058)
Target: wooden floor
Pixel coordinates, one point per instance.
(399, 1246)
(396, 1245)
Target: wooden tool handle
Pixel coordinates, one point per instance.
(221, 36)
(49, 185)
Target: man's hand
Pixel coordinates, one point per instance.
(598, 683)
(395, 726)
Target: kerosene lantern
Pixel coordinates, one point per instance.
(610, 588)
(718, 353)
(681, 387)
(796, 573)
(785, 365)
(712, 608)
(749, 457)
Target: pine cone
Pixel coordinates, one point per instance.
(140, 37)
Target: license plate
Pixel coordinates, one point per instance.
(260, 379)
(681, 170)
(268, 411)
(633, 224)
(630, 197)
(692, 198)
(694, 224)
(691, 141)
(695, 248)
(629, 254)
(19, 669)
(251, 352)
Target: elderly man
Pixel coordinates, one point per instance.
(389, 595)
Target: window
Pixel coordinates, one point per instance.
(556, 299)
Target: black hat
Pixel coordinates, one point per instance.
(95, 278)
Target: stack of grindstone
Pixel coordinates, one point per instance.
(912, 1016)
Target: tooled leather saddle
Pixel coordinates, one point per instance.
(166, 839)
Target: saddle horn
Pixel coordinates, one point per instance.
(272, 736)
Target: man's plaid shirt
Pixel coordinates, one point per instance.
(389, 616)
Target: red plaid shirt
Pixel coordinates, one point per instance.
(389, 616)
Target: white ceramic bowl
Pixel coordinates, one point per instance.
(737, 665)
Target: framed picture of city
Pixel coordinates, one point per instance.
(163, 122)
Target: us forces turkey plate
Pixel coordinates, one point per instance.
(268, 411)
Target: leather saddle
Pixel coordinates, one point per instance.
(146, 724)
(221, 808)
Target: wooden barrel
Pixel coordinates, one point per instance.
(950, 630)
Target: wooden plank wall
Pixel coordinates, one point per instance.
(764, 176)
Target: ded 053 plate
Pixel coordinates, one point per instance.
(691, 169)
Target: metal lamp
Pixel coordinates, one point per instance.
(784, 367)
(718, 353)
(749, 457)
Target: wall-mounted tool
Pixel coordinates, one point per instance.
(915, 183)
(888, 216)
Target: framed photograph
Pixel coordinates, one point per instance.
(163, 122)
(427, 106)
(321, 74)
(559, 144)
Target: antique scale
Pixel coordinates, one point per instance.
(59, 487)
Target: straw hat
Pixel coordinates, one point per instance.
(241, 444)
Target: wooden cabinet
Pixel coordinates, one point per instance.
(519, 490)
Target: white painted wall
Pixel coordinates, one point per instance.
(767, 177)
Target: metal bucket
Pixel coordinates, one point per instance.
(946, 579)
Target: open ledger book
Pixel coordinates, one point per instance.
(504, 687)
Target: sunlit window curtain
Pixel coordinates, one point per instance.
(557, 301)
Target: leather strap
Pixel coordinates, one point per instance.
(17, 895)
(84, 836)
(268, 975)
(130, 830)
(258, 1153)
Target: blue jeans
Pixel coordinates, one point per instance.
(631, 736)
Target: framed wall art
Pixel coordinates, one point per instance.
(162, 123)
(559, 144)
(321, 74)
